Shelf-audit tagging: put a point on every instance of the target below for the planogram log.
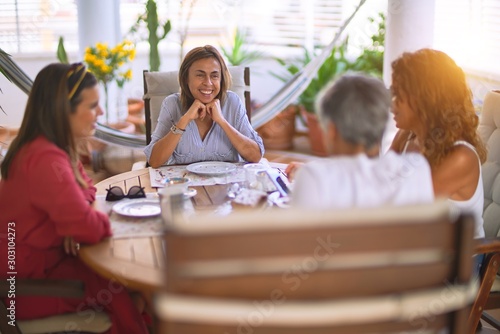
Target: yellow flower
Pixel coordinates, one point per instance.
(105, 62)
(131, 54)
(128, 74)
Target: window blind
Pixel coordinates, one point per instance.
(29, 26)
(469, 31)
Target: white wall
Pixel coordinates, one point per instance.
(13, 100)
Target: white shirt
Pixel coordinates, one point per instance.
(359, 181)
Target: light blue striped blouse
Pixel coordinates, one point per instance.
(216, 145)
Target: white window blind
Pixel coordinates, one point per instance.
(469, 31)
(30, 26)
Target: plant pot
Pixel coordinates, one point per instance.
(278, 133)
(316, 136)
(135, 106)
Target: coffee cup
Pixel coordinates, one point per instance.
(172, 197)
(252, 178)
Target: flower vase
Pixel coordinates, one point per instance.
(121, 105)
(115, 103)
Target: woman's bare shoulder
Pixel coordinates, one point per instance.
(457, 175)
(462, 155)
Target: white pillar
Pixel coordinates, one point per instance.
(409, 27)
(98, 21)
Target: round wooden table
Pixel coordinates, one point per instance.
(138, 262)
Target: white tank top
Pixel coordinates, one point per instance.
(474, 204)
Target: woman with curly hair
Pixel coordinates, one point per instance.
(432, 107)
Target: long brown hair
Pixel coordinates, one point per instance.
(436, 90)
(195, 54)
(54, 96)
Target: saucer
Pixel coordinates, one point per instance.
(190, 193)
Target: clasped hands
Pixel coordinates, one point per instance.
(199, 110)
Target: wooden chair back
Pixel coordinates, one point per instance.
(158, 85)
(291, 271)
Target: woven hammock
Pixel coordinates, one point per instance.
(277, 103)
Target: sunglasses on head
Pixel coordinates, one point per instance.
(116, 193)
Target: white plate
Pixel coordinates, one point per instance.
(211, 168)
(138, 207)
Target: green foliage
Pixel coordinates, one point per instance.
(61, 51)
(237, 54)
(150, 18)
(334, 65)
(371, 60)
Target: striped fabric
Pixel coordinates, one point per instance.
(216, 145)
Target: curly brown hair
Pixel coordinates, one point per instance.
(436, 90)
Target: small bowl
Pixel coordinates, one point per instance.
(171, 181)
(173, 185)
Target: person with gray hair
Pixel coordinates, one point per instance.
(353, 112)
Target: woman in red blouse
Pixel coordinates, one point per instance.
(46, 197)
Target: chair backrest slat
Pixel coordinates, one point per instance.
(320, 256)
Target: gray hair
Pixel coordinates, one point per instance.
(359, 106)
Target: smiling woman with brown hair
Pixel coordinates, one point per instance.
(204, 121)
(432, 107)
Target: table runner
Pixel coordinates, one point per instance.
(158, 174)
(127, 227)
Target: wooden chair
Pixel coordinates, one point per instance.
(489, 291)
(64, 323)
(405, 269)
(158, 85)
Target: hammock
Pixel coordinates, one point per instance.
(278, 102)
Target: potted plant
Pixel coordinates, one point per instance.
(370, 61)
(334, 65)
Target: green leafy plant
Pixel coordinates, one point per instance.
(334, 65)
(61, 54)
(150, 18)
(371, 60)
(237, 53)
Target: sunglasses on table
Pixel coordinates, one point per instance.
(116, 193)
